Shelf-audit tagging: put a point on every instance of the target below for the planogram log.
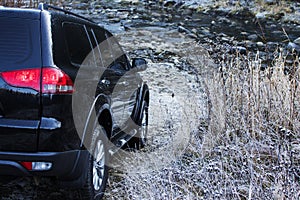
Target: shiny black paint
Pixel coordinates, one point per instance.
(41, 123)
(20, 107)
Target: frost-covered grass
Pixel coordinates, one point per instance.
(249, 149)
(255, 126)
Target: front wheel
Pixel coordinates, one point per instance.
(140, 140)
(97, 173)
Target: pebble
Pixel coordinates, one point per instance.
(262, 15)
(122, 15)
(240, 49)
(293, 46)
(297, 41)
(110, 14)
(194, 30)
(253, 37)
(244, 33)
(155, 14)
(224, 20)
(225, 39)
(114, 20)
(270, 2)
(181, 29)
(192, 35)
(260, 44)
(169, 3)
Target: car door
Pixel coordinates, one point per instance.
(117, 78)
(125, 86)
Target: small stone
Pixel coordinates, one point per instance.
(115, 20)
(194, 31)
(169, 3)
(110, 15)
(224, 20)
(192, 35)
(123, 15)
(181, 29)
(155, 14)
(270, 2)
(262, 15)
(253, 37)
(225, 39)
(297, 41)
(244, 33)
(240, 49)
(293, 46)
(260, 44)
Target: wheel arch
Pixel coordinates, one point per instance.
(146, 94)
(99, 113)
(105, 120)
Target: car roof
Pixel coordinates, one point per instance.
(20, 13)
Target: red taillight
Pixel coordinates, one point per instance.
(23, 78)
(27, 165)
(54, 81)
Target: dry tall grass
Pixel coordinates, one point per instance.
(255, 125)
(249, 150)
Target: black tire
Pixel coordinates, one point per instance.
(140, 140)
(97, 171)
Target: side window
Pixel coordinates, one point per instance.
(78, 43)
(120, 59)
(106, 55)
(97, 38)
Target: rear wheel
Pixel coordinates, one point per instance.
(97, 173)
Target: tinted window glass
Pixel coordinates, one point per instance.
(106, 56)
(120, 59)
(96, 48)
(78, 42)
(19, 43)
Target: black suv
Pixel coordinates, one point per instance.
(69, 98)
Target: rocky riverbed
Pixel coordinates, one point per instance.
(223, 27)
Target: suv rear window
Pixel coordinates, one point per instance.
(19, 43)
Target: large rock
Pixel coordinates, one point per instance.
(294, 46)
(297, 41)
(292, 18)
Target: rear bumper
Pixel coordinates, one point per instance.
(67, 166)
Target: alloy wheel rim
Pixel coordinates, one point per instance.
(98, 165)
(144, 125)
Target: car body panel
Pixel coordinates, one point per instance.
(37, 126)
(20, 107)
